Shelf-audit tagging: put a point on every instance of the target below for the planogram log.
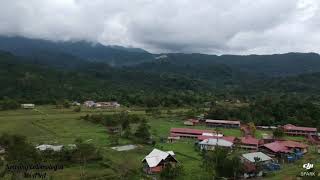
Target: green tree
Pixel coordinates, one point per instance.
(171, 172)
(18, 149)
(77, 109)
(220, 163)
(142, 132)
(9, 104)
(278, 133)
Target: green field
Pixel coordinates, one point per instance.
(62, 126)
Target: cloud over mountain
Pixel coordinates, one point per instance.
(207, 26)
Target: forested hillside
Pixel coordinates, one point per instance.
(44, 72)
(29, 82)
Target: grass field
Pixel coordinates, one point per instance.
(63, 126)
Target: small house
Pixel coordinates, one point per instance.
(156, 160)
(27, 106)
(173, 139)
(191, 122)
(256, 162)
(254, 156)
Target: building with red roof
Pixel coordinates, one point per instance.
(222, 123)
(249, 142)
(279, 147)
(293, 130)
(188, 132)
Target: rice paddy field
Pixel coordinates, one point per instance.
(48, 125)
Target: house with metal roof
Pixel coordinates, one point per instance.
(156, 160)
(256, 163)
(212, 143)
(252, 157)
(27, 106)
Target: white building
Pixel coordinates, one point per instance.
(211, 143)
(89, 104)
(44, 147)
(27, 106)
(156, 160)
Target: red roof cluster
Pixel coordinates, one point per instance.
(284, 146)
(190, 131)
(222, 121)
(298, 128)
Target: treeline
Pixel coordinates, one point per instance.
(272, 110)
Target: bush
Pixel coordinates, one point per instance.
(171, 172)
(7, 104)
(77, 109)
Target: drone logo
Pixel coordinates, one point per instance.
(307, 166)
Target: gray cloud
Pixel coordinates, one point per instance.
(207, 26)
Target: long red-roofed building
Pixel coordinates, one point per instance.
(293, 130)
(188, 132)
(222, 123)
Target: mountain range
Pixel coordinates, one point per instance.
(44, 71)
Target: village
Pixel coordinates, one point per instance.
(262, 151)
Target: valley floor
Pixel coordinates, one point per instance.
(47, 125)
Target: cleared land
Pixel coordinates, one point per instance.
(63, 126)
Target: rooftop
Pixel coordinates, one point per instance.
(227, 138)
(44, 147)
(191, 131)
(249, 140)
(223, 121)
(216, 142)
(156, 156)
(251, 156)
(284, 146)
(298, 128)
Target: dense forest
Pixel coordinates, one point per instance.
(47, 72)
(271, 89)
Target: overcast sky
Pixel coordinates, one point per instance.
(206, 26)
